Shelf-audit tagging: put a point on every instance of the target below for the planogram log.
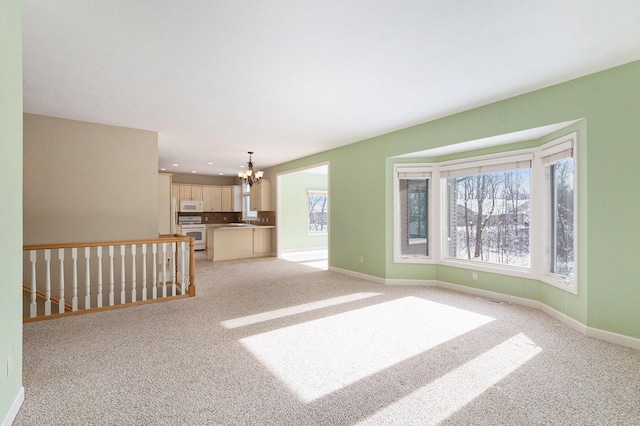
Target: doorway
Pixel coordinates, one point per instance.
(303, 214)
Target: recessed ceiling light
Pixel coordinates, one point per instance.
(162, 168)
(193, 171)
(210, 163)
(175, 164)
(221, 174)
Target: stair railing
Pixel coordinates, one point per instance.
(144, 271)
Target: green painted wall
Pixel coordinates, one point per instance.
(608, 104)
(293, 218)
(11, 196)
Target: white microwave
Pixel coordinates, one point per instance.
(191, 206)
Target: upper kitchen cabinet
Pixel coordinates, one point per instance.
(188, 192)
(215, 198)
(260, 196)
(226, 198)
(220, 198)
(211, 195)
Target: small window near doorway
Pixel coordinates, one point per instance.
(318, 212)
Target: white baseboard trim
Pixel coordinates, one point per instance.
(423, 283)
(607, 336)
(618, 339)
(362, 276)
(15, 407)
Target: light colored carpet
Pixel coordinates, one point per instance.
(275, 342)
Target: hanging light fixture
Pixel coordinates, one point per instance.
(250, 177)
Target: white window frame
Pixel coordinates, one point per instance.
(247, 213)
(549, 154)
(320, 193)
(505, 161)
(419, 170)
(540, 216)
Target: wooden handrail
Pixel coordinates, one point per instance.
(164, 238)
(172, 239)
(43, 296)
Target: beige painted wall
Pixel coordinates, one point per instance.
(88, 182)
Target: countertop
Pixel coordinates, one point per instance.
(228, 226)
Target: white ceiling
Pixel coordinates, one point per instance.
(289, 78)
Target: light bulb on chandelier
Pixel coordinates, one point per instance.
(250, 177)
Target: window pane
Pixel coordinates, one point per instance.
(562, 218)
(246, 207)
(318, 212)
(413, 217)
(489, 216)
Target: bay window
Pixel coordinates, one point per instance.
(512, 213)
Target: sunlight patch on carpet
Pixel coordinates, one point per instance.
(441, 398)
(294, 310)
(322, 356)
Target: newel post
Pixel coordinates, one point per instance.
(192, 267)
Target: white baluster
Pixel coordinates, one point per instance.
(61, 303)
(164, 269)
(99, 256)
(183, 268)
(173, 268)
(111, 278)
(123, 293)
(87, 278)
(144, 272)
(74, 301)
(33, 307)
(133, 273)
(47, 292)
(154, 287)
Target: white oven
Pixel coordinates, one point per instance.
(191, 206)
(192, 226)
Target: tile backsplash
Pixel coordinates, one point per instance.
(264, 218)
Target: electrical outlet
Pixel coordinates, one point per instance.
(361, 259)
(474, 276)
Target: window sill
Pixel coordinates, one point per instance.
(513, 271)
(561, 283)
(413, 259)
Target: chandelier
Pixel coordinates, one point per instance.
(250, 177)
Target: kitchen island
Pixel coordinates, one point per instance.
(226, 242)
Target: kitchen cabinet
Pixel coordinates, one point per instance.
(260, 196)
(211, 198)
(240, 242)
(261, 240)
(236, 204)
(215, 198)
(175, 193)
(189, 193)
(218, 198)
(226, 198)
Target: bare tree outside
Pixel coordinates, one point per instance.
(562, 223)
(318, 211)
(489, 217)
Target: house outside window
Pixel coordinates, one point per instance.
(412, 195)
(489, 217)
